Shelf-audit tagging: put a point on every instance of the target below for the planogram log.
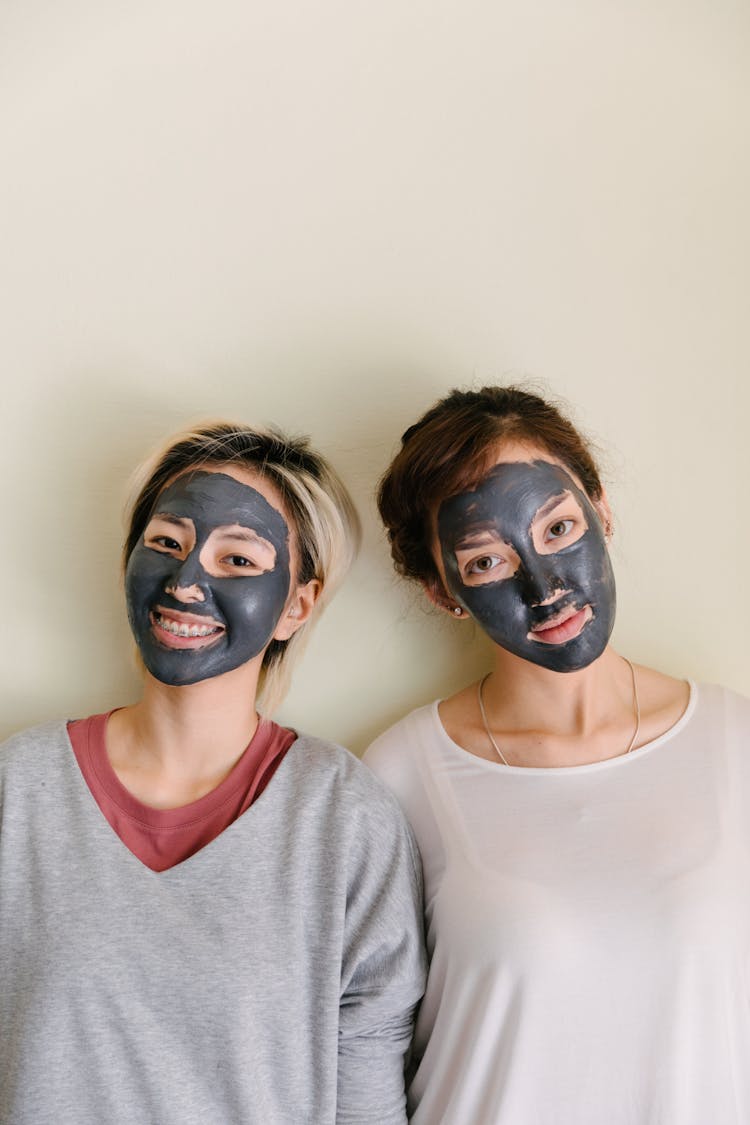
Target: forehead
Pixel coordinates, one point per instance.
(510, 494)
(222, 497)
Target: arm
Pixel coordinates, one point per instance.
(383, 970)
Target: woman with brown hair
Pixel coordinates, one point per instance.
(208, 917)
(584, 823)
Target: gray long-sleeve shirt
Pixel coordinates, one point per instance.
(270, 978)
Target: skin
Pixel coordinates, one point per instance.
(226, 550)
(179, 741)
(539, 717)
(525, 554)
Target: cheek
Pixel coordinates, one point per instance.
(243, 604)
(252, 601)
(501, 601)
(497, 607)
(591, 563)
(144, 572)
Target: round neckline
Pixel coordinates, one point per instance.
(586, 767)
(175, 816)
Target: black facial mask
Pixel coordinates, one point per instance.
(575, 576)
(248, 608)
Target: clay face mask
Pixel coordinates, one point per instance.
(207, 583)
(525, 554)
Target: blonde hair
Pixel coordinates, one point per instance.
(320, 508)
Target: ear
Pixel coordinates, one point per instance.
(298, 609)
(604, 512)
(439, 597)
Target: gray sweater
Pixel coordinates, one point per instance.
(270, 979)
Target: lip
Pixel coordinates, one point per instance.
(564, 626)
(188, 620)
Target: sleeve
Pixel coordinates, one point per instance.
(383, 970)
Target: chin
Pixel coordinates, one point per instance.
(571, 656)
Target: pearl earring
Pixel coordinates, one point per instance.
(458, 612)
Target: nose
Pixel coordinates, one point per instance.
(186, 594)
(186, 584)
(541, 585)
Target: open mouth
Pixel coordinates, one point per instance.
(562, 627)
(184, 630)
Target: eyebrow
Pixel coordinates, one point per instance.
(551, 504)
(247, 535)
(478, 538)
(175, 521)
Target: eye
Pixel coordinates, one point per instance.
(169, 536)
(240, 562)
(166, 542)
(489, 558)
(484, 564)
(559, 529)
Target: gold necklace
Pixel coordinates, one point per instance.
(498, 751)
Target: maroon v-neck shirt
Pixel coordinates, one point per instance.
(162, 838)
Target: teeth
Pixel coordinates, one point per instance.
(178, 630)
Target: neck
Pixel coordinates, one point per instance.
(182, 741)
(554, 718)
(566, 702)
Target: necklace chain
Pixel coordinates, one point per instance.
(498, 751)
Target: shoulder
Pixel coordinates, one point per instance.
(34, 746)
(393, 754)
(723, 705)
(339, 777)
(671, 706)
(360, 813)
(717, 719)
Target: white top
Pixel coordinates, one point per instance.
(589, 927)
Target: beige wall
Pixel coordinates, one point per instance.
(325, 215)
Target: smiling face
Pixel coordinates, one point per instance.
(525, 554)
(208, 582)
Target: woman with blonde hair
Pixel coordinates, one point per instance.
(208, 917)
(584, 822)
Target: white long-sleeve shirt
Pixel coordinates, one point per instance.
(589, 927)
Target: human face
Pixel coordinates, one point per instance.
(525, 554)
(208, 581)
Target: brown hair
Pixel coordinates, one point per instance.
(319, 506)
(451, 448)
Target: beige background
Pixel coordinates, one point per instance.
(325, 215)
